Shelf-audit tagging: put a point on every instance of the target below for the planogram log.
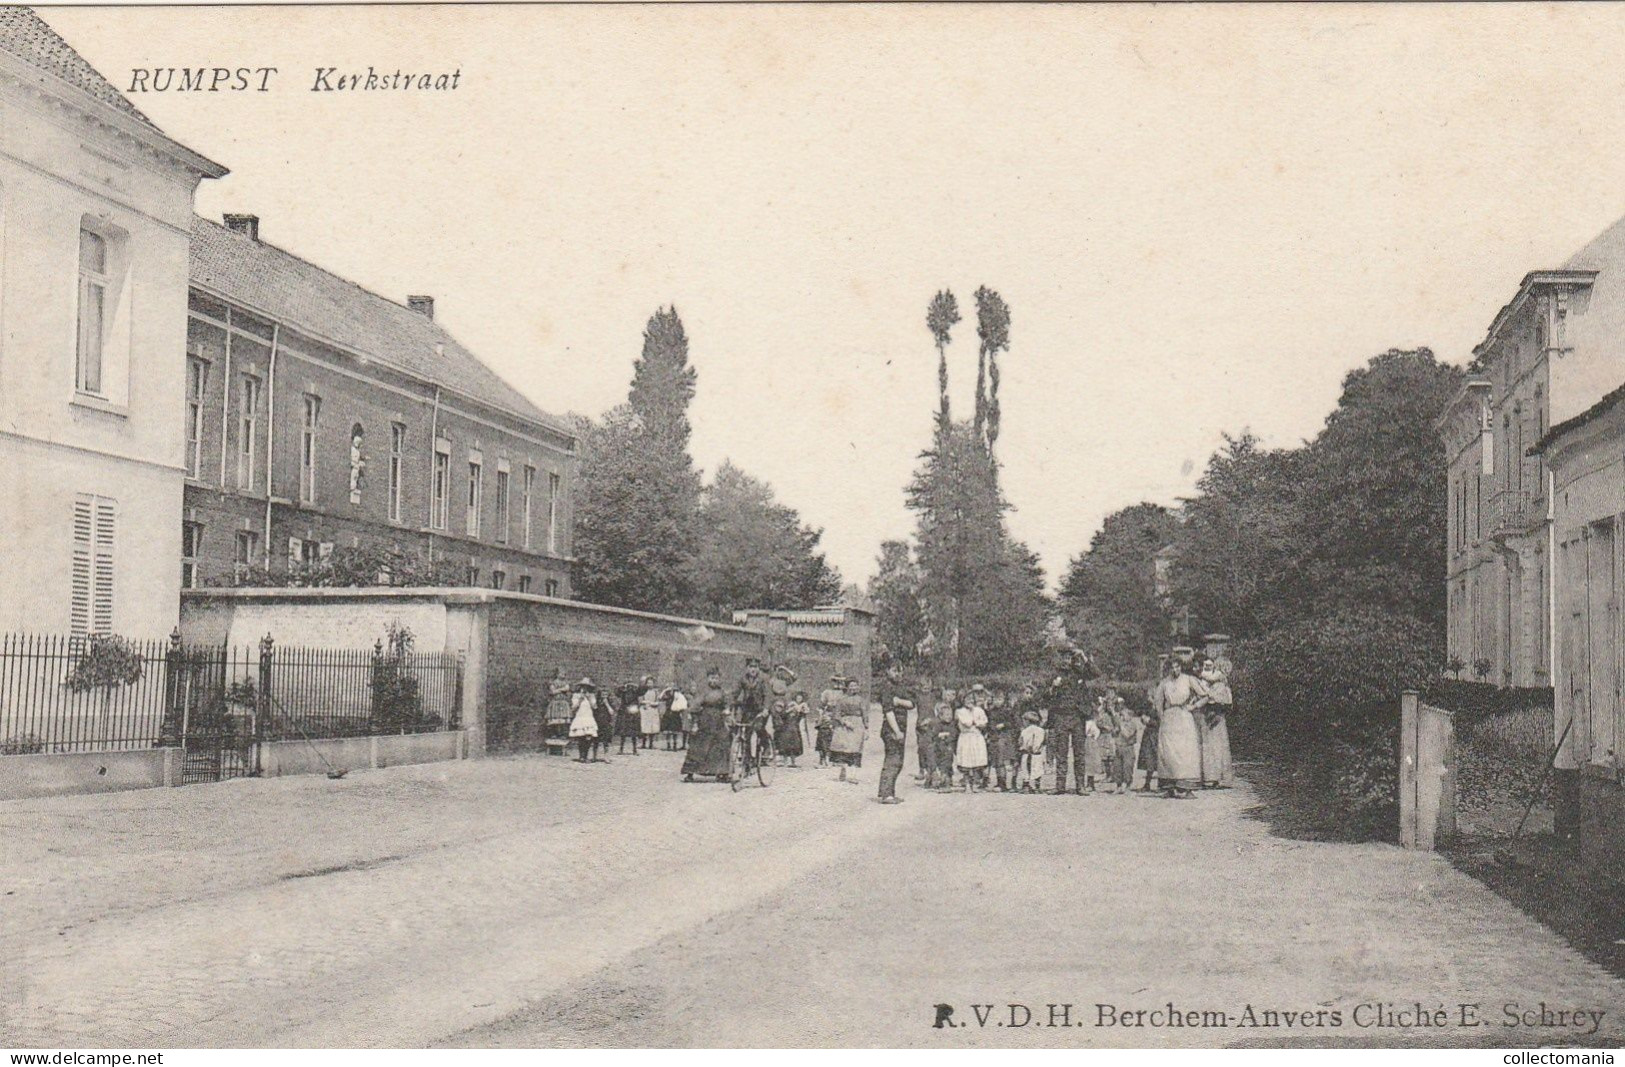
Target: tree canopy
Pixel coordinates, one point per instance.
(755, 552)
(1109, 597)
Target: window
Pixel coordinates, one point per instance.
(550, 587)
(528, 490)
(502, 505)
(248, 423)
(553, 486)
(191, 549)
(91, 606)
(397, 464)
(440, 506)
(476, 485)
(247, 557)
(524, 583)
(306, 552)
(197, 377)
(499, 579)
(307, 449)
(92, 338)
(473, 576)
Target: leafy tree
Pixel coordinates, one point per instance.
(755, 552)
(636, 517)
(1241, 546)
(896, 590)
(1328, 562)
(1109, 597)
(1374, 502)
(106, 662)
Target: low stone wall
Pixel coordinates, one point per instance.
(54, 773)
(280, 758)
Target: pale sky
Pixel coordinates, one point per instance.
(1201, 217)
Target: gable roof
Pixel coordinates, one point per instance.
(277, 283)
(27, 36)
(1596, 411)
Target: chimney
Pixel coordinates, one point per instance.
(423, 305)
(247, 225)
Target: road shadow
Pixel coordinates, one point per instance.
(1296, 804)
(1541, 878)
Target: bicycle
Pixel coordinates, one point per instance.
(752, 752)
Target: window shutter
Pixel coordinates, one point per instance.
(324, 551)
(294, 545)
(83, 536)
(101, 606)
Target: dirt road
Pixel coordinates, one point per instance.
(535, 901)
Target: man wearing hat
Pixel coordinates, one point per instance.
(1066, 734)
(750, 695)
(824, 729)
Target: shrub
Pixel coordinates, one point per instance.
(22, 745)
(1332, 678)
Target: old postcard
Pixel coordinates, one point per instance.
(773, 526)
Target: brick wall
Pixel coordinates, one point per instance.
(529, 639)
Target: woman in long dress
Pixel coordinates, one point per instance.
(709, 748)
(971, 751)
(1179, 754)
(584, 722)
(851, 729)
(1217, 772)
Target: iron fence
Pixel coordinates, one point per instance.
(79, 694)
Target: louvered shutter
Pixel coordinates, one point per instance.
(84, 508)
(101, 603)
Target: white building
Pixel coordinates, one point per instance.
(95, 223)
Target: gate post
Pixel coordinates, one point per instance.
(174, 713)
(262, 699)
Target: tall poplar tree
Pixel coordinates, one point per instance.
(637, 525)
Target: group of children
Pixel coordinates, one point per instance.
(989, 737)
(634, 714)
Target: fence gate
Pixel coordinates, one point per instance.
(213, 701)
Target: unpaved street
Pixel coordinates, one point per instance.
(535, 901)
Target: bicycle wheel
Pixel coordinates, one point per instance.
(737, 764)
(767, 758)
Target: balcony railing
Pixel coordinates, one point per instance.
(1517, 511)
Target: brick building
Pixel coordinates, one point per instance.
(320, 415)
